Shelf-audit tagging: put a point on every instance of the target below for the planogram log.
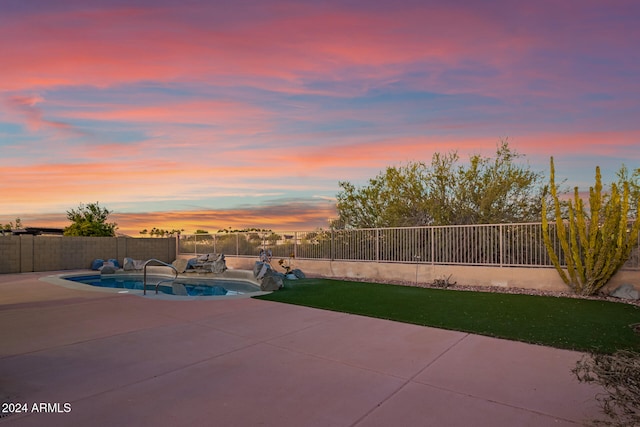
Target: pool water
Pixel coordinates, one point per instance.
(193, 287)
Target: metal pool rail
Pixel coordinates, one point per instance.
(144, 281)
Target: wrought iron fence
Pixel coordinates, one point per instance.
(520, 245)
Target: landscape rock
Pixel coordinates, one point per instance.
(256, 268)
(219, 265)
(298, 273)
(271, 281)
(180, 265)
(130, 264)
(626, 291)
(107, 269)
(265, 256)
(260, 269)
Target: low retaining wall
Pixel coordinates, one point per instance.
(538, 278)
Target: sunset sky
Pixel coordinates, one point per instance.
(201, 114)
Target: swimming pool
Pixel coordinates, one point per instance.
(181, 287)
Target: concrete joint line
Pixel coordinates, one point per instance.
(409, 380)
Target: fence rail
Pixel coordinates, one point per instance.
(503, 245)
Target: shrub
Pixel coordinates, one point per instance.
(619, 375)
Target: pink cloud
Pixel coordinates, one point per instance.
(114, 46)
(224, 114)
(595, 144)
(27, 110)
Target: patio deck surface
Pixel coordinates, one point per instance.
(125, 360)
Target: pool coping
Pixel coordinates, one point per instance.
(59, 280)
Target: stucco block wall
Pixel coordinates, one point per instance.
(539, 278)
(9, 254)
(22, 254)
(147, 248)
(47, 254)
(86, 249)
(26, 253)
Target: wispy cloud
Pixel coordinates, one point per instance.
(26, 109)
(219, 105)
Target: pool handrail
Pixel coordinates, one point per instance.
(144, 281)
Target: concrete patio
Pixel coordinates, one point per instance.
(125, 360)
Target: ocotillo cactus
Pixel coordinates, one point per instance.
(594, 248)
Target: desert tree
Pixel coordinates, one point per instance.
(90, 220)
(496, 189)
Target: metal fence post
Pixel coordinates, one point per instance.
(331, 250)
(501, 246)
(433, 246)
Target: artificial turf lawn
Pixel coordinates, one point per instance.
(576, 324)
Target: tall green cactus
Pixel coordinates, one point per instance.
(594, 247)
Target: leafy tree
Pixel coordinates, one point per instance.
(90, 220)
(497, 190)
(160, 232)
(487, 190)
(10, 226)
(175, 231)
(244, 230)
(395, 198)
(595, 244)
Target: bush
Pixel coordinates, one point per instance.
(619, 375)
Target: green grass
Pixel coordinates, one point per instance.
(576, 324)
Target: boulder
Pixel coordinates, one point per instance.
(265, 255)
(97, 263)
(180, 265)
(626, 291)
(271, 281)
(107, 269)
(130, 264)
(298, 273)
(260, 269)
(219, 265)
(256, 268)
